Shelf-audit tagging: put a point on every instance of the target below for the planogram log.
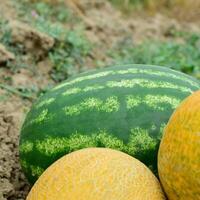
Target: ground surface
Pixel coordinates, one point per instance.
(103, 25)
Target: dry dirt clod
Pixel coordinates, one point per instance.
(13, 184)
(5, 55)
(34, 42)
(6, 186)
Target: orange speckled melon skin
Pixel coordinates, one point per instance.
(179, 152)
(97, 174)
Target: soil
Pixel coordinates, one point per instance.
(105, 26)
(5, 54)
(12, 181)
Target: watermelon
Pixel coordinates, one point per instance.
(121, 107)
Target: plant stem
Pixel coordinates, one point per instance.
(15, 91)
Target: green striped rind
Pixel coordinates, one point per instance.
(111, 104)
(126, 84)
(140, 141)
(157, 102)
(121, 107)
(127, 71)
(52, 145)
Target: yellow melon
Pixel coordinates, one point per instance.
(97, 174)
(179, 152)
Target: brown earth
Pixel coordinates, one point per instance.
(12, 181)
(105, 26)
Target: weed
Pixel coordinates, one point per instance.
(5, 33)
(55, 13)
(71, 46)
(70, 49)
(181, 9)
(23, 92)
(183, 57)
(69, 55)
(16, 49)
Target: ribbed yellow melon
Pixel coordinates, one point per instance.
(97, 174)
(179, 153)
